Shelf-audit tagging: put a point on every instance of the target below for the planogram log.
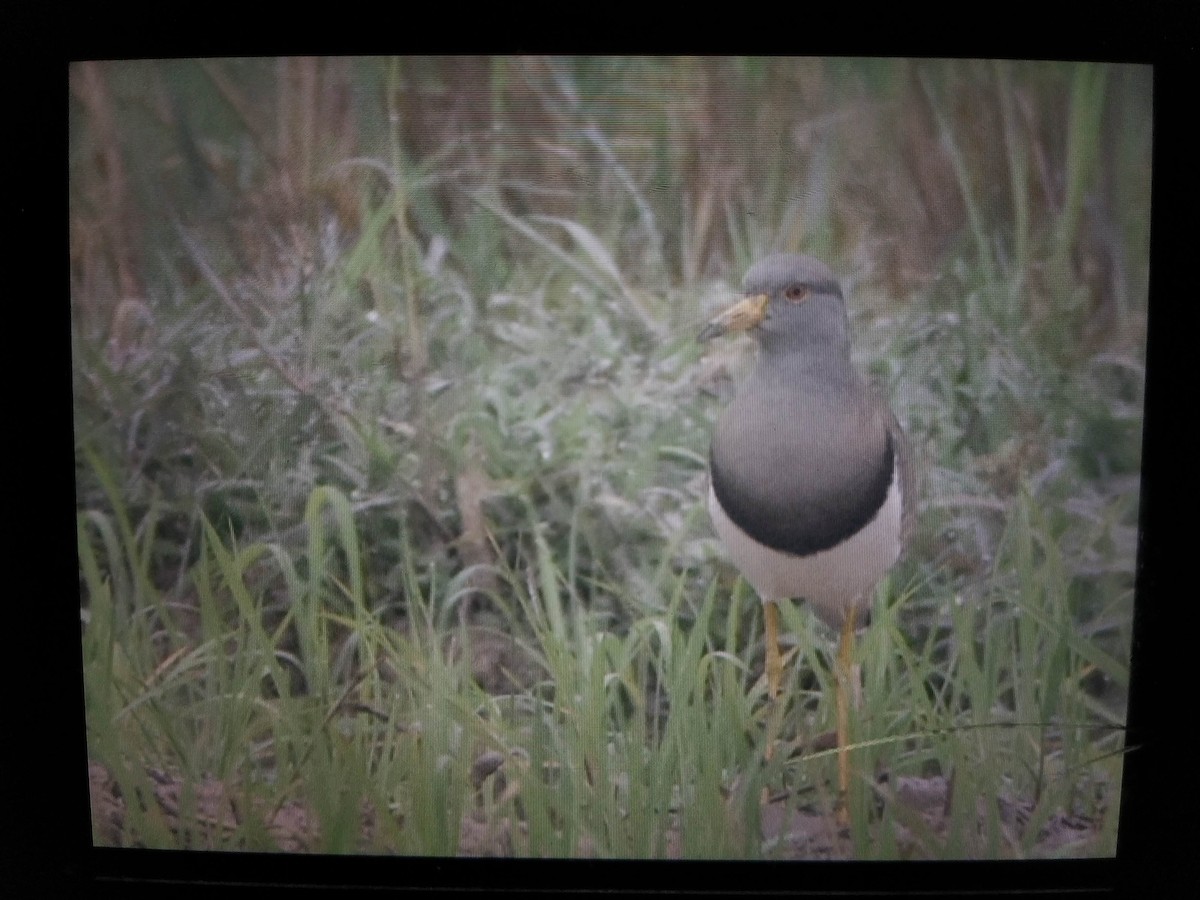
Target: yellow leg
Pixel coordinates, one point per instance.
(843, 687)
(774, 664)
(774, 675)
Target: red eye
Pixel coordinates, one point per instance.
(796, 293)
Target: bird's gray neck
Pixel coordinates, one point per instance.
(824, 361)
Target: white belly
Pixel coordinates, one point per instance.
(832, 580)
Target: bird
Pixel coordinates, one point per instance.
(810, 475)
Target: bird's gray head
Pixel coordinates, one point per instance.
(792, 304)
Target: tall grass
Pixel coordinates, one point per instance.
(391, 437)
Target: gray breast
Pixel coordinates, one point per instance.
(800, 478)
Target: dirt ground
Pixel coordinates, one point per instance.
(788, 834)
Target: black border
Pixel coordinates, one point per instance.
(49, 850)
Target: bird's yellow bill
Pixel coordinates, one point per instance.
(741, 316)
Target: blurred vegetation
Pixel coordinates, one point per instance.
(391, 434)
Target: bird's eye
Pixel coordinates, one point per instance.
(796, 292)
